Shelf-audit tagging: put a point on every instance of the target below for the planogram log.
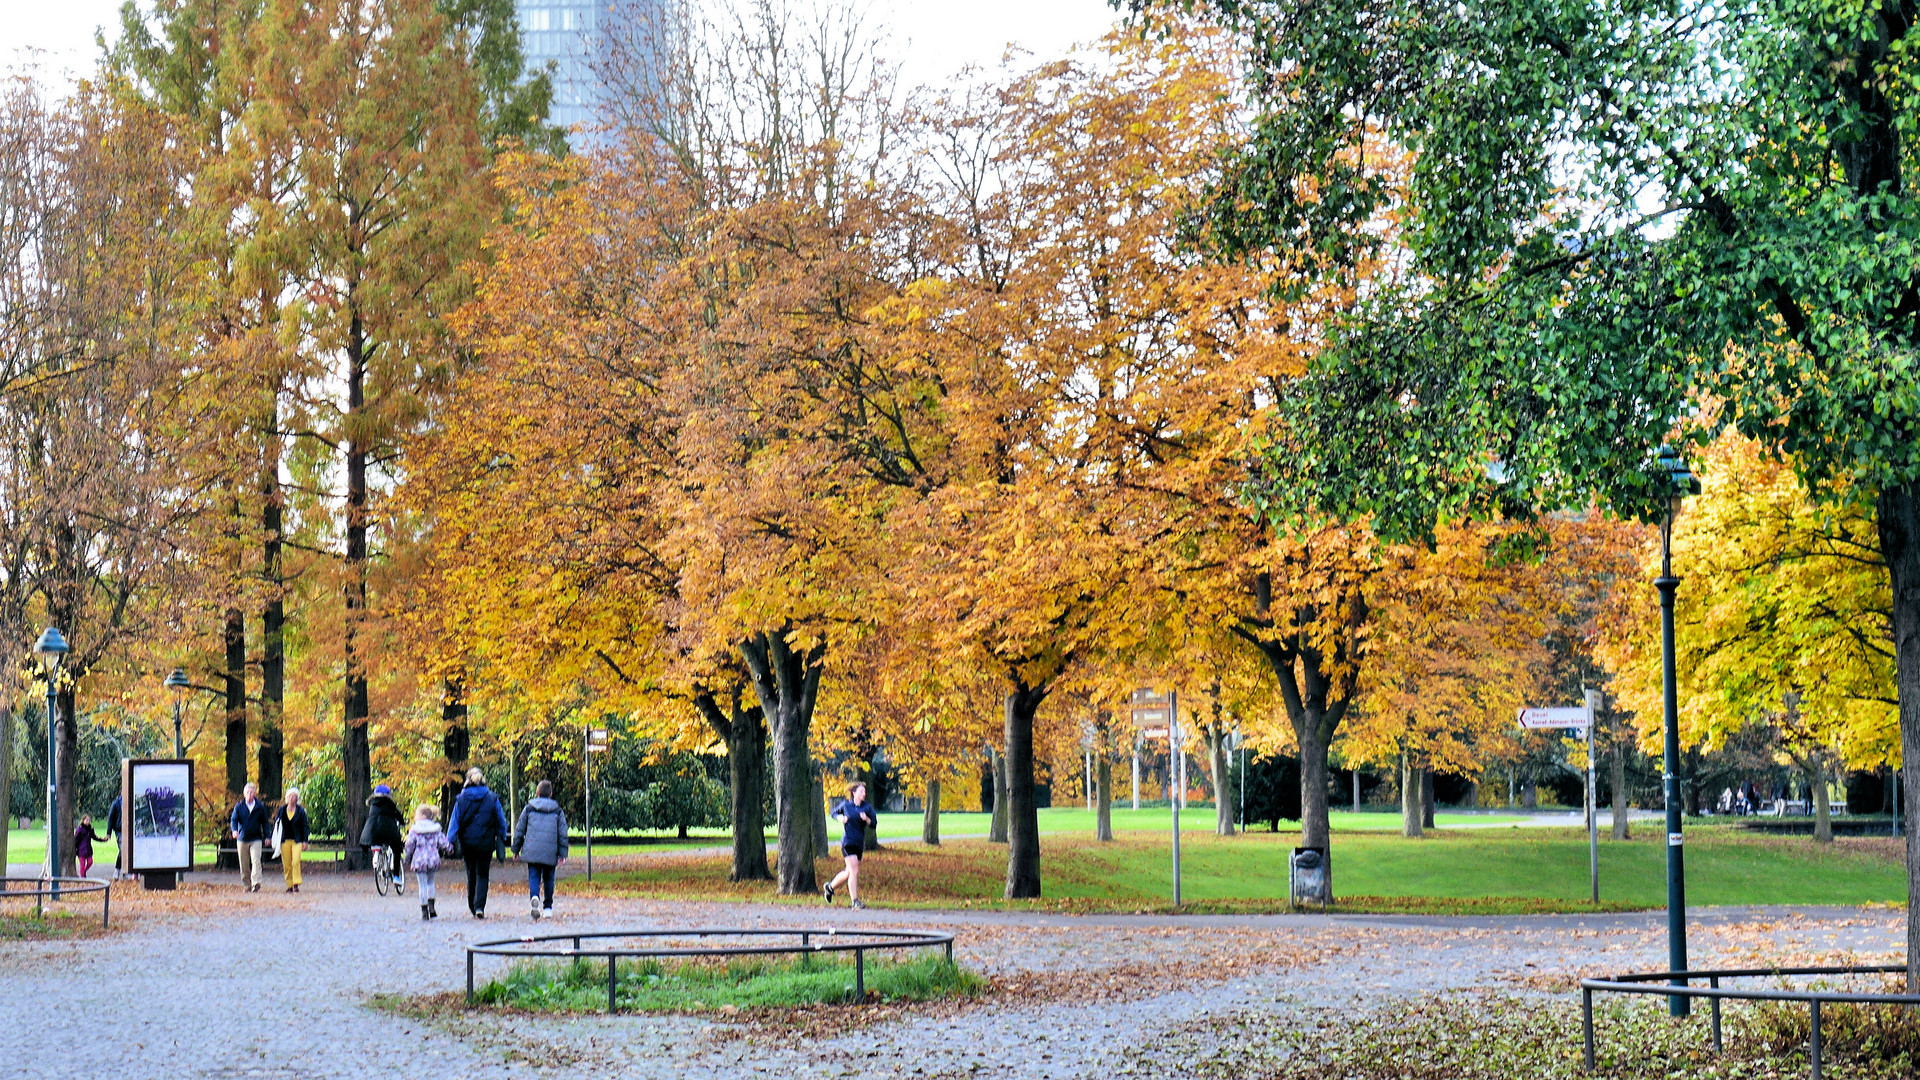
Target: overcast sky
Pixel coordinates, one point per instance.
(933, 38)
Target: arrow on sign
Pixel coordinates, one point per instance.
(1562, 716)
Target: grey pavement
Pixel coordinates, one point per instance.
(214, 983)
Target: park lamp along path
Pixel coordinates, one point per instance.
(52, 649)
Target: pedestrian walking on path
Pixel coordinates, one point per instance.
(479, 827)
(113, 833)
(290, 837)
(540, 839)
(383, 826)
(249, 823)
(425, 846)
(858, 821)
(83, 840)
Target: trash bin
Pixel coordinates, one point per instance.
(1310, 874)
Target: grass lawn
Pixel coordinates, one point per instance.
(30, 846)
(1496, 870)
(744, 983)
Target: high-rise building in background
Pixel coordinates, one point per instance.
(566, 33)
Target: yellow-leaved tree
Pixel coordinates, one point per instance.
(1781, 619)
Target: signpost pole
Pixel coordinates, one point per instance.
(1593, 805)
(586, 773)
(1173, 747)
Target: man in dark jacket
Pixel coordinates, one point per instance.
(383, 826)
(479, 825)
(249, 823)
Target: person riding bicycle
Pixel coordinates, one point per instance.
(383, 826)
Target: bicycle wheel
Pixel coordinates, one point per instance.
(381, 876)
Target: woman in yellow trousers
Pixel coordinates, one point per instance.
(290, 825)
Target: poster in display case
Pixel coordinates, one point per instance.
(156, 816)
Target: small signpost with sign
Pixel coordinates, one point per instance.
(596, 743)
(1576, 717)
(1157, 716)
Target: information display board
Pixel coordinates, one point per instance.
(156, 808)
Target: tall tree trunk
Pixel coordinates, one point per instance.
(786, 683)
(930, 818)
(1023, 818)
(1316, 827)
(456, 745)
(997, 823)
(1412, 797)
(1619, 782)
(1822, 812)
(822, 838)
(1103, 780)
(67, 797)
(1219, 762)
(1316, 701)
(1899, 521)
(271, 763)
(235, 638)
(741, 728)
(356, 755)
(1426, 797)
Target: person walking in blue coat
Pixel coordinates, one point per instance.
(479, 825)
(540, 839)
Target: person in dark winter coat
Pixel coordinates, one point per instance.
(540, 839)
(113, 833)
(383, 825)
(479, 825)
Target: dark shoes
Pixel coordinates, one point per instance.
(827, 891)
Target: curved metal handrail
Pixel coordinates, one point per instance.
(857, 942)
(45, 888)
(1672, 984)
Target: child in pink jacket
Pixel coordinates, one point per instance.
(426, 843)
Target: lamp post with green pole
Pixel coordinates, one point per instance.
(52, 649)
(1681, 483)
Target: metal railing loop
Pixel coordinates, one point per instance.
(1672, 984)
(858, 942)
(43, 889)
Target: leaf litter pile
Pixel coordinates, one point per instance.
(1500, 1036)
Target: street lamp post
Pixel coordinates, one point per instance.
(177, 682)
(52, 648)
(1681, 484)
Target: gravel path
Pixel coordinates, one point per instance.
(214, 983)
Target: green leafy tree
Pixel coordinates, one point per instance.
(1624, 220)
